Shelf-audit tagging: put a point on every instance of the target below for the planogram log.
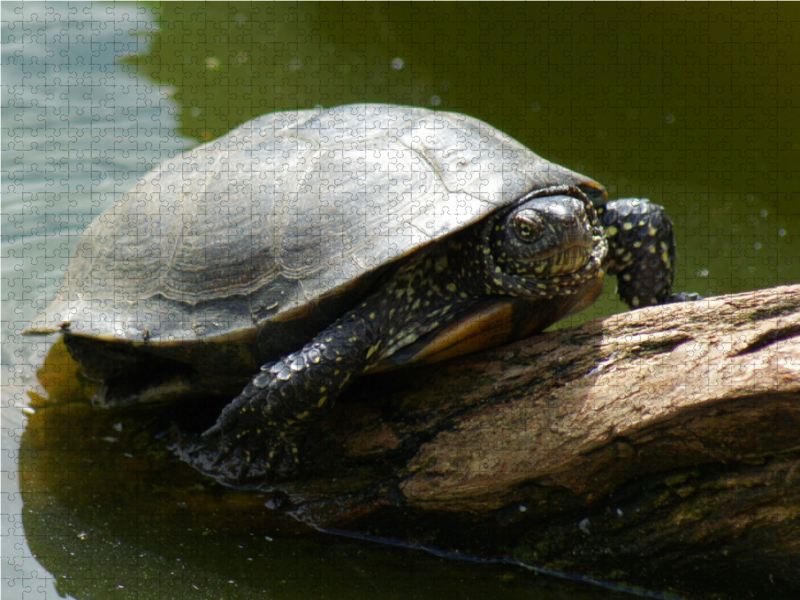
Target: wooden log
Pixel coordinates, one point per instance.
(658, 447)
(661, 444)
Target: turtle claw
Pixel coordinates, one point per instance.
(244, 469)
(219, 458)
(239, 457)
(212, 431)
(683, 297)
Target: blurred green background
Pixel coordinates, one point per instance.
(691, 105)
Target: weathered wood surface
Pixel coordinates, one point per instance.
(582, 409)
(659, 447)
(658, 443)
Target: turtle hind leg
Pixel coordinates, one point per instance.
(257, 435)
(641, 252)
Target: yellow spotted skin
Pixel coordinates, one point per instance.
(548, 246)
(641, 252)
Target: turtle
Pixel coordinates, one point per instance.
(277, 264)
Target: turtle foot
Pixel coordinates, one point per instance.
(241, 458)
(255, 439)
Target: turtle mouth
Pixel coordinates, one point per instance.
(548, 246)
(564, 260)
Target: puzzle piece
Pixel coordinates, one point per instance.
(658, 102)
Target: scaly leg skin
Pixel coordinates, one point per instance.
(257, 435)
(258, 432)
(641, 252)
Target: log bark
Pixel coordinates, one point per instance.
(661, 444)
(658, 447)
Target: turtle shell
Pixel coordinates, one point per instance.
(284, 212)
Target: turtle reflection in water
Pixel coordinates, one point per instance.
(277, 264)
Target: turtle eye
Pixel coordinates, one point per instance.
(528, 225)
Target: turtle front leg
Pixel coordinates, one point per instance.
(641, 252)
(257, 433)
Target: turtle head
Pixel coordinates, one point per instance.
(549, 242)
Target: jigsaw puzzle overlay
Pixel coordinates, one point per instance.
(691, 107)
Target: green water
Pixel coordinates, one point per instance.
(690, 105)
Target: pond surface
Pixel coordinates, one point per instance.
(692, 106)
